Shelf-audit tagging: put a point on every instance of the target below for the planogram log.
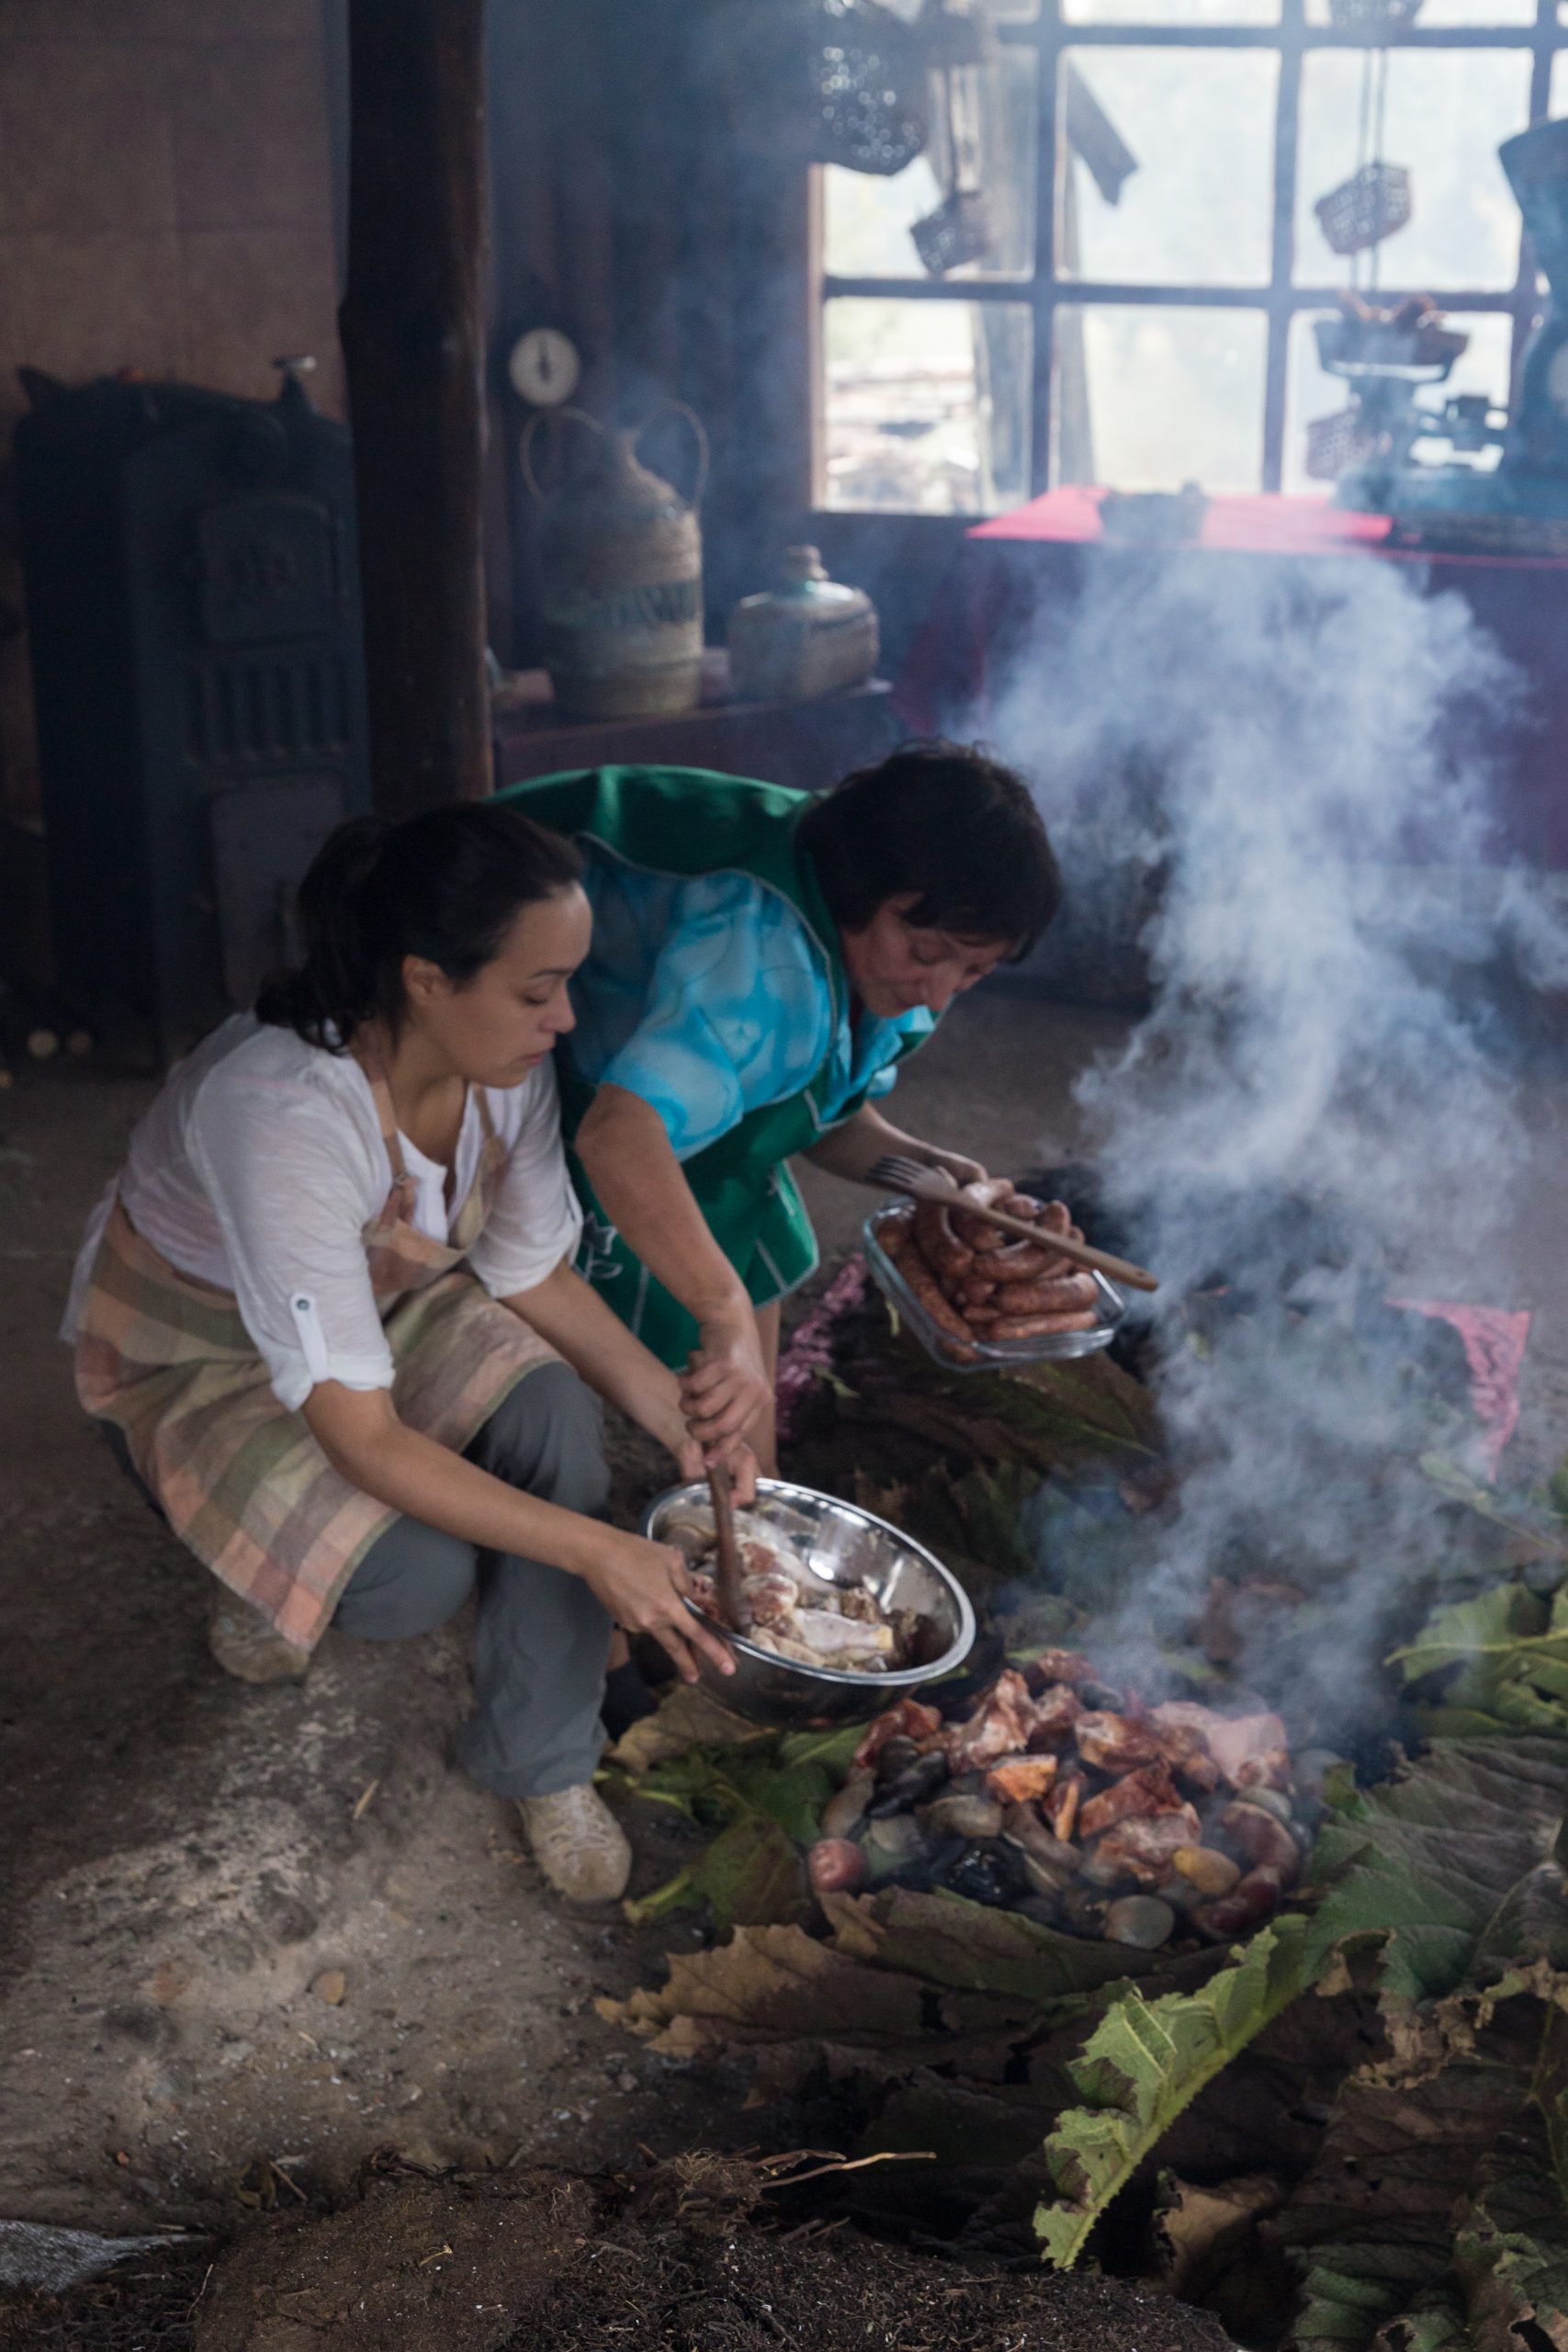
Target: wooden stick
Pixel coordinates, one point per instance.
(726, 1562)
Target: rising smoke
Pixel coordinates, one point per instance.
(1316, 1110)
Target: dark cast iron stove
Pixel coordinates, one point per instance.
(193, 602)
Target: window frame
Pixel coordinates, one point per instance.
(1280, 301)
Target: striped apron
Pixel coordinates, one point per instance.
(243, 1481)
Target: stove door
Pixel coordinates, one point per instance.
(264, 837)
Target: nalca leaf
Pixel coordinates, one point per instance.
(1449, 1867)
(1503, 1657)
(1144, 2061)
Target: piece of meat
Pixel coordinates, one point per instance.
(1271, 1768)
(1186, 1753)
(1021, 1780)
(1265, 1841)
(984, 1239)
(1148, 1790)
(773, 1599)
(929, 1294)
(1050, 1294)
(1116, 1743)
(998, 1726)
(1145, 1849)
(1041, 1326)
(1248, 1750)
(824, 1632)
(1053, 1716)
(1022, 1261)
(1061, 1807)
(1058, 1665)
(972, 1291)
(944, 1253)
(905, 1719)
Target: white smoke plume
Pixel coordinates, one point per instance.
(1317, 1107)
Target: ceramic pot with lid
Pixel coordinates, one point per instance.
(806, 635)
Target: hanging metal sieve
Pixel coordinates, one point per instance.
(866, 70)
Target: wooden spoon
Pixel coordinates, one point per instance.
(727, 1560)
(899, 1175)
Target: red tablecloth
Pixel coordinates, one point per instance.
(1017, 568)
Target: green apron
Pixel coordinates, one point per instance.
(684, 823)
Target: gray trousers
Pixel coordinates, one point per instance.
(542, 1639)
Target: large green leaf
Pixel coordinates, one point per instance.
(1449, 1868)
(1143, 2064)
(1433, 2219)
(763, 1803)
(1505, 1654)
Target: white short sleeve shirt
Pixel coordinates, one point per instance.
(260, 1164)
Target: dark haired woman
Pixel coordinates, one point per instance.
(328, 1308)
(762, 961)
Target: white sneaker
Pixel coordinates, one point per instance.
(578, 1843)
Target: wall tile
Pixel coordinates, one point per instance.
(250, 136)
(251, 295)
(88, 305)
(84, 137)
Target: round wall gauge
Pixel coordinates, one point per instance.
(544, 366)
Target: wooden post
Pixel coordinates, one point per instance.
(413, 329)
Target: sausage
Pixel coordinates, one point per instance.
(1055, 1294)
(981, 1238)
(939, 1245)
(1022, 1261)
(974, 1291)
(896, 1233)
(928, 1292)
(1038, 1327)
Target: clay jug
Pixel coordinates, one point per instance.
(806, 636)
(621, 579)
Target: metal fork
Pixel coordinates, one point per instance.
(894, 1173)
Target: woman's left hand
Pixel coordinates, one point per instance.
(735, 1456)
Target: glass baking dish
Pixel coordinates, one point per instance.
(990, 1355)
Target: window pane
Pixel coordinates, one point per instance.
(867, 221)
(926, 405)
(1436, 12)
(1147, 399)
(1310, 394)
(1197, 127)
(1447, 112)
(1171, 12)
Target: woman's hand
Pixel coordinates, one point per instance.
(643, 1586)
(726, 1388)
(735, 1456)
(958, 1165)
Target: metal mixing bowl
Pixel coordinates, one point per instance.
(843, 1546)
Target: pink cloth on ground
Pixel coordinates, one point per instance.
(1495, 1340)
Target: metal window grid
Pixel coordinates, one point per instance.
(1280, 300)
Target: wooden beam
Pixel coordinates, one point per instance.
(413, 334)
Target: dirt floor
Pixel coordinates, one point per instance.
(249, 1928)
(194, 1869)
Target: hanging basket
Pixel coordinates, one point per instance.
(1365, 209)
(867, 76)
(1337, 443)
(1373, 19)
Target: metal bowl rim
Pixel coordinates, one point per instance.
(952, 1658)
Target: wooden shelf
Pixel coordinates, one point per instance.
(809, 745)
